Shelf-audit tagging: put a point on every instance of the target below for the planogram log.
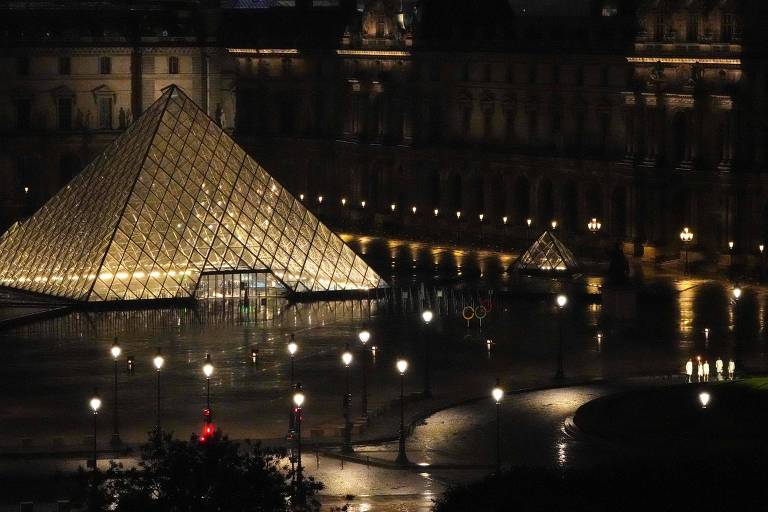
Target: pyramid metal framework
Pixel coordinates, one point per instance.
(547, 255)
(172, 198)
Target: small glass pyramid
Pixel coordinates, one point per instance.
(171, 198)
(547, 255)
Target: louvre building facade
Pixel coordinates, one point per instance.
(648, 115)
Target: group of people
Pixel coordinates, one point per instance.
(702, 369)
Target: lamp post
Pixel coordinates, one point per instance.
(158, 361)
(498, 393)
(528, 223)
(761, 247)
(292, 348)
(736, 293)
(426, 316)
(686, 236)
(553, 224)
(364, 336)
(561, 301)
(730, 259)
(95, 404)
(298, 401)
(208, 371)
(346, 447)
(402, 367)
(115, 351)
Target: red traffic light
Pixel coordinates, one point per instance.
(207, 432)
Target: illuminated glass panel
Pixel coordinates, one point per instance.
(172, 198)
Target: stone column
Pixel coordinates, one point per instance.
(651, 118)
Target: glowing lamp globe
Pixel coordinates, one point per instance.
(298, 398)
(292, 347)
(736, 293)
(704, 398)
(497, 394)
(158, 361)
(95, 404)
(402, 366)
(346, 358)
(364, 336)
(115, 350)
(427, 316)
(208, 367)
(562, 300)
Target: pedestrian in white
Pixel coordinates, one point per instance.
(719, 368)
(731, 369)
(689, 370)
(706, 371)
(700, 369)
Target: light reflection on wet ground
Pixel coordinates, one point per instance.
(51, 367)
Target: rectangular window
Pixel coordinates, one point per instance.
(64, 107)
(692, 32)
(659, 30)
(105, 65)
(173, 65)
(23, 114)
(105, 113)
(22, 66)
(727, 28)
(65, 66)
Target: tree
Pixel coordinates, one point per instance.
(193, 476)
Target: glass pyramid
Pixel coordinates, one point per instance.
(173, 197)
(547, 255)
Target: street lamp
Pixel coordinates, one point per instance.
(561, 301)
(704, 398)
(737, 293)
(158, 361)
(481, 217)
(554, 225)
(437, 212)
(686, 236)
(402, 367)
(362, 204)
(730, 258)
(498, 393)
(528, 223)
(426, 316)
(364, 336)
(594, 225)
(393, 206)
(504, 219)
(298, 401)
(413, 210)
(346, 447)
(115, 351)
(208, 371)
(301, 197)
(761, 247)
(95, 404)
(320, 199)
(292, 348)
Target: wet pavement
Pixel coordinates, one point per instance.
(51, 367)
